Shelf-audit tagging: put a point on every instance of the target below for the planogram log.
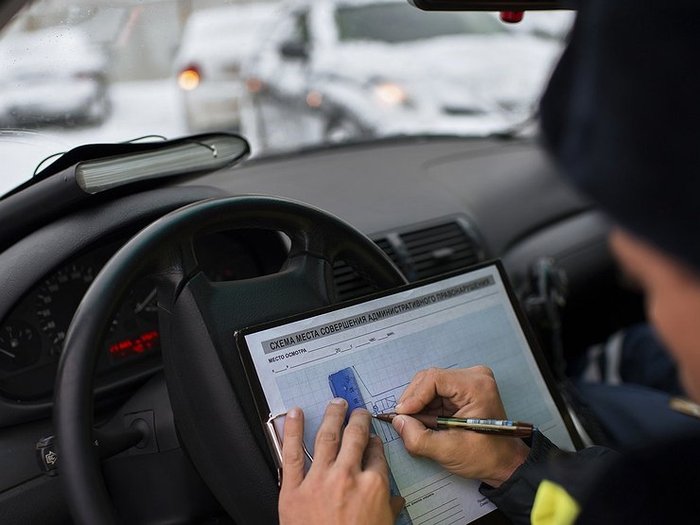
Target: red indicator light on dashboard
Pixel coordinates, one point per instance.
(138, 345)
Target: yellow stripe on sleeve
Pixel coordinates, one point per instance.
(553, 506)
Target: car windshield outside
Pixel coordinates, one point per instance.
(286, 75)
(391, 22)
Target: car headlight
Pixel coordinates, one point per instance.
(391, 94)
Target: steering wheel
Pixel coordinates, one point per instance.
(213, 408)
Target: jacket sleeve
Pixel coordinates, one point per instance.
(550, 485)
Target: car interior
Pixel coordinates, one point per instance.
(122, 398)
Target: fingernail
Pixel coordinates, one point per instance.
(399, 422)
(294, 413)
(398, 407)
(338, 401)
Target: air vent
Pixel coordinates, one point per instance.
(440, 249)
(419, 252)
(349, 284)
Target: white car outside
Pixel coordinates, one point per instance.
(44, 84)
(380, 67)
(214, 43)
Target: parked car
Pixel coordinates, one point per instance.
(214, 44)
(334, 69)
(45, 84)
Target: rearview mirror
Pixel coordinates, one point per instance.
(490, 5)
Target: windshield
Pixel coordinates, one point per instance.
(286, 75)
(393, 23)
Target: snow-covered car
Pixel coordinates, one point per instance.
(44, 84)
(333, 69)
(214, 44)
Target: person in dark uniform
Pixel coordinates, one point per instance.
(621, 117)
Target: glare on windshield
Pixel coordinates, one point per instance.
(393, 23)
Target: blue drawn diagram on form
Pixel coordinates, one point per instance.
(344, 383)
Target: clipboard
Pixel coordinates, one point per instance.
(319, 345)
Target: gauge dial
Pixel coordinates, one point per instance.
(33, 335)
(134, 329)
(19, 344)
(57, 300)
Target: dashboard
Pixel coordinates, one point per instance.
(368, 185)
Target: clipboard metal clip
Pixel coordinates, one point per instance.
(276, 443)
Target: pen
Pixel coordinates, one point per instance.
(497, 427)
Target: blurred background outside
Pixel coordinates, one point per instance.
(285, 75)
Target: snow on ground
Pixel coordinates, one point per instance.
(138, 109)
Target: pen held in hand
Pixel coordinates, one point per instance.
(496, 427)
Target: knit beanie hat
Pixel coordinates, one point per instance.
(621, 116)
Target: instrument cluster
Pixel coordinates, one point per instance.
(33, 334)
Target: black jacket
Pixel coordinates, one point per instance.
(658, 484)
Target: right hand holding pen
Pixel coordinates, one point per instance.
(466, 392)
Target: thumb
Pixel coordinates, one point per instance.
(396, 503)
(418, 440)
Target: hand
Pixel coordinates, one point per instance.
(348, 481)
(466, 392)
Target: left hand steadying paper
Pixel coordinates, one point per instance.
(348, 481)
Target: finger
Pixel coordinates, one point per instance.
(374, 458)
(292, 449)
(421, 391)
(476, 394)
(417, 439)
(451, 389)
(328, 436)
(397, 504)
(355, 438)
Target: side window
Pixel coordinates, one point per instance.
(301, 28)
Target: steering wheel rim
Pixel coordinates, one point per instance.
(317, 239)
